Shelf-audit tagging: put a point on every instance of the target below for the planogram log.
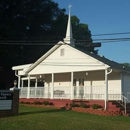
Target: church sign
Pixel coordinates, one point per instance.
(6, 97)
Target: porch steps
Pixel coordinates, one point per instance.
(114, 105)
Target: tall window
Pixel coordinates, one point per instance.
(62, 52)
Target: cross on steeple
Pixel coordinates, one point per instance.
(70, 6)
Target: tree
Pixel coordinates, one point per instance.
(82, 34)
(21, 19)
(33, 21)
(126, 64)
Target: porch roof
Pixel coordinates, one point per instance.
(26, 78)
(21, 67)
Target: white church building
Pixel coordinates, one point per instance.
(66, 72)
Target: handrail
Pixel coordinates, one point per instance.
(128, 96)
(124, 102)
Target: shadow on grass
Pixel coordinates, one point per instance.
(41, 111)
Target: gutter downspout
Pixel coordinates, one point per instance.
(106, 82)
(18, 78)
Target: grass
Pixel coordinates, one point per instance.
(31, 118)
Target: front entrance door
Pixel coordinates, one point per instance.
(78, 82)
(79, 87)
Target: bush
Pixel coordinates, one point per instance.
(22, 102)
(74, 104)
(96, 106)
(38, 103)
(46, 103)
(51, 103)
(83, 105)
(26, 102)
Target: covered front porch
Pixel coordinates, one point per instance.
(91, 85)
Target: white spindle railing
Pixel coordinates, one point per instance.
(123, 102)
(80, 92)
(39, 92)
(128, 97)
(114, 95)
(23, 92)
(121, 99)
(89, 92)
(62, 92)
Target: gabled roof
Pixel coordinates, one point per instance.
(44, 56)
(111, 63)
(104, 60)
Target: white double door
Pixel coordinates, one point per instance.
(79, 87)
(78, 82)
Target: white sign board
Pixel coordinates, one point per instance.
(6, 100)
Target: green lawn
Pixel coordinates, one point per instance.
(30, 118)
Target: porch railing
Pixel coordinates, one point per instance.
(39, 92)
(89, 92)
(64, 92)
(128, 96)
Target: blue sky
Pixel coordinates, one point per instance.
(105, 16)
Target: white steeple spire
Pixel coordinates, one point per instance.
(69, 37)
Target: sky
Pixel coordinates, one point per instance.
(104, 17)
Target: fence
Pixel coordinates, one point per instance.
(64, 92)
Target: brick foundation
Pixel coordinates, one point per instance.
(97, 111)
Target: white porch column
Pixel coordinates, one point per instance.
(28, 92)
(36, 83)
(22, 84)
(52, 87)
(106, 88)
(19, 78)
(72, 90)
(35, 87)
(84, 91)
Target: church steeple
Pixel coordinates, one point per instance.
(69, 36)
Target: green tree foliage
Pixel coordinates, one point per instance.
(21, 19)
(35, 20)
(82, 34)
(126, 64)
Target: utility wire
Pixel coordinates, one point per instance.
(32, 43)
(60, 37)
(111, 34)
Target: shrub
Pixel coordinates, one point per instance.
(74, 104)
(22, 102)
(26, 102)
(46, 103)
(83, 105)
(38, 103)
(96, 106)
(51, 103)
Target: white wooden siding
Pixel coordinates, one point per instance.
(114, 83)
(73, 60)
(126, 85)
